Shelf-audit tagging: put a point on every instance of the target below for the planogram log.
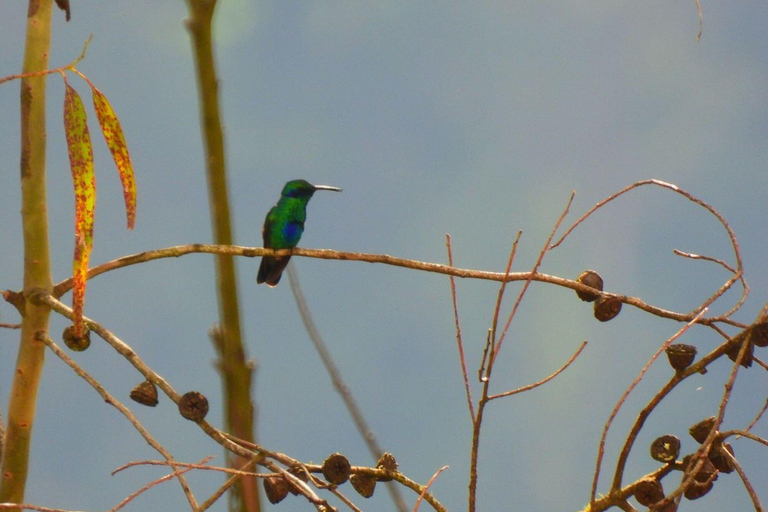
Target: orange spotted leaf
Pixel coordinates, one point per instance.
(113, 134)
(81, 163)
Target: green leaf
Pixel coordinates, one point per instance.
(113, 135)
(81, 164)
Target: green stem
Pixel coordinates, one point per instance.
(235, 371)
(37, 269)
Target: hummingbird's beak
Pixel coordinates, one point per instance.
(327, 187)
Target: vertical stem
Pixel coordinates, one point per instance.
(235, 371)
(37, 270)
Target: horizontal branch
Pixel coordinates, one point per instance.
(328, 254)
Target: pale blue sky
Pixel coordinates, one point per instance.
(476, 120)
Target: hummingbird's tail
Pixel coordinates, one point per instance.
(271, 269)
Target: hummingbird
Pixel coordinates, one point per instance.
(284, 225)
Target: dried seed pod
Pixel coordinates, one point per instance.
(719, 459)
(593, 280)
(701, 430)
(606, 308)
(681, 356)
(145, 393)
(706, 473)
(363, 484)
(276, 489)
(697, 490)
(193, 406)
(74, 342)
(760, 334)
(336, 469)
(648, 492)
(665, 448)
(298, 471)
(387, 461)
(735, 348)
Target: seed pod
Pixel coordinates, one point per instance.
(648, 492)
(706, 473)
(336, 469)
(276, 489)
(735, 348)
(145, 393)
(298, 471)
(760, 334)
(681, 356)
(701, 430)
(193, 406)
(363, 484)
(665, 448)
(720, 459)
(387, 461)
(697, 490)
(593, 280)
(606, 308)
(71, 340)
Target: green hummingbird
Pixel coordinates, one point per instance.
(284, 225)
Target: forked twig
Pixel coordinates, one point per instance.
(459, 342)
(533, 273)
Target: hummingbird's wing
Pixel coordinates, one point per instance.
(271, 268)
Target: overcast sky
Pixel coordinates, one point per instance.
(475, 119)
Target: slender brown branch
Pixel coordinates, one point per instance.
(747, 484)
(366, 432)
(108, 398)
(328, 254)
(494, 333)
(459, 342)
(543, 381)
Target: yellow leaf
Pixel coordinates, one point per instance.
(81, 163)
(113, 134)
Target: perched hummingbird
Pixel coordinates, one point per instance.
(284, 225)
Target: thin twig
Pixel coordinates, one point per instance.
(757, 418)
(495, 338)
(543, 381)
(533, 273)
(731, 235)
(426, 487)
(366, 432)
(177, 473)
(744, 480)
(70, 66)
(459, 342)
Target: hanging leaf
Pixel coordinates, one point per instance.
(81, 163)
(113, 134)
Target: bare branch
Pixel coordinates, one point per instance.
(459, 342)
